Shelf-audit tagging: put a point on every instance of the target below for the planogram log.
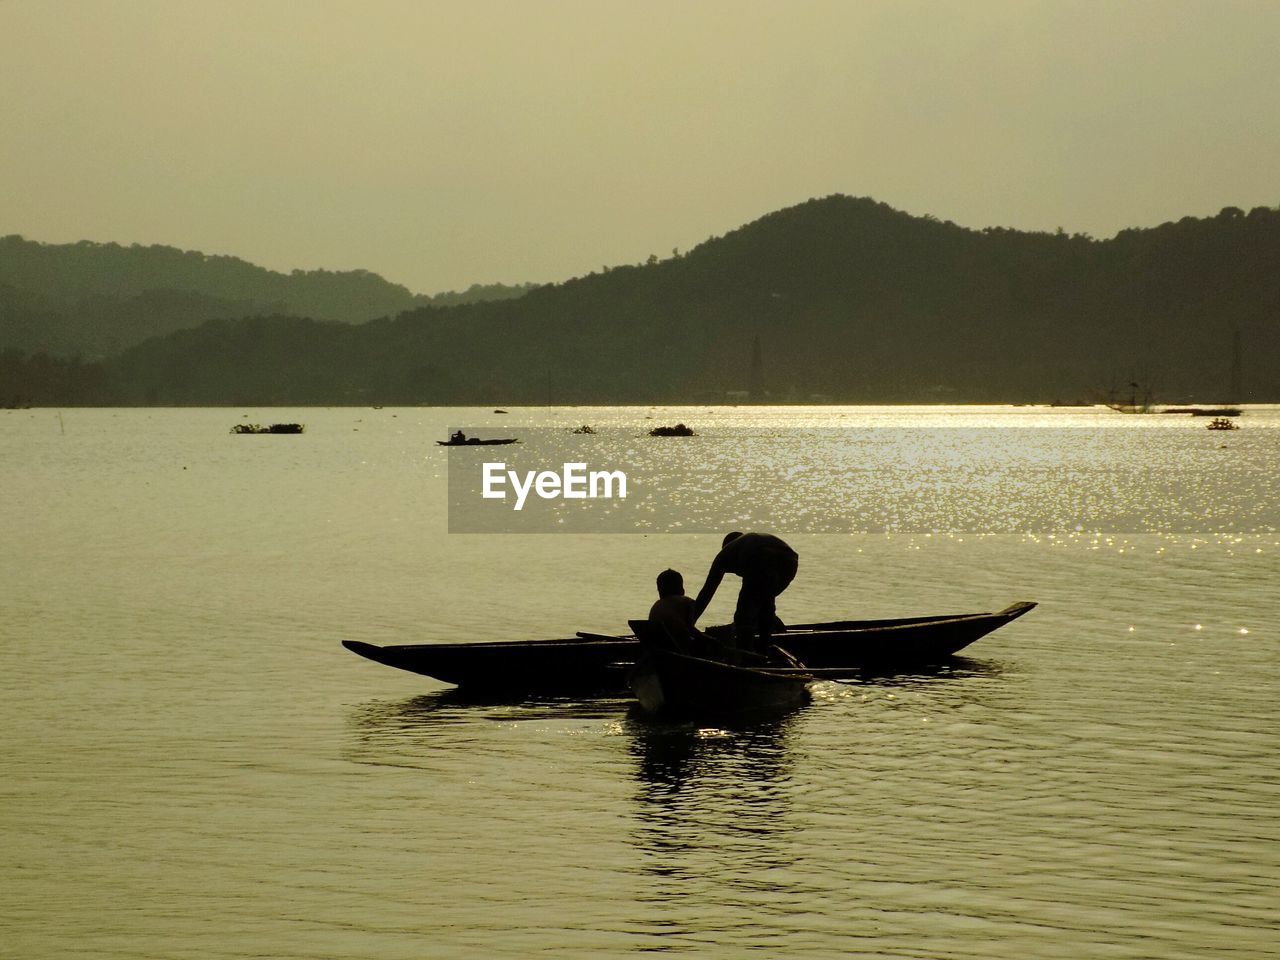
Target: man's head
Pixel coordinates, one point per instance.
(729, 538)
(670, 584)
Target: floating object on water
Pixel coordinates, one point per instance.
(499, 411)
(272, 428)
(1222, 423)
(679, 430)
(583, 429)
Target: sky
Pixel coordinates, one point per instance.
(447, 143)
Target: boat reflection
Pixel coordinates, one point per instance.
(673, 758)
(401, 732)
(444, 706)
(711, 804)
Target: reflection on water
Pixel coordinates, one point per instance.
(712, 822)
(676, 760)
(401, 732)
(953, 668)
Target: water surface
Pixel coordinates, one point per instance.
(194, 767)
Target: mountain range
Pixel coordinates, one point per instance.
(845, 299)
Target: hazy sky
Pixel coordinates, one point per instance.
(446, 143)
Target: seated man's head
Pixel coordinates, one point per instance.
(670, 584)
(730, 537)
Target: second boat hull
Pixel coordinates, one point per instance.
(672, 684)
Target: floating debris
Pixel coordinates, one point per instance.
(583, 429)
(679, 430)
(272, 428)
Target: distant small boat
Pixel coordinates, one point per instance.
(1222, 423)
(272, 428)
(583, 429)
(475, 442)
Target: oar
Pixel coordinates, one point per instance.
(584, 635)
(817, 673)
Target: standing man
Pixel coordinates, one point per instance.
(767, 566)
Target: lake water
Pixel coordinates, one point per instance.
(194, 767)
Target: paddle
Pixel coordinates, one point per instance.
(584, 635)
(819, 673)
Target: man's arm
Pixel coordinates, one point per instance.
(714, 576)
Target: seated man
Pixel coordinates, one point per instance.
(673, 610)
(767, 566)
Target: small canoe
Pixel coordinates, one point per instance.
(600, 664)
(473, 442)
(676, 685)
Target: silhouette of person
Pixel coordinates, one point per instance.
(767, 565)
(673, 610)
(458, 437)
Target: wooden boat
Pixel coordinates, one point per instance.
(675, 684)
(473, 442)
(600, 664)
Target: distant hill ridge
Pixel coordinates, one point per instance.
(850, 300)
(99, 298)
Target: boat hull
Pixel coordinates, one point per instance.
(475, 443)
(671, 684)
(601, 665)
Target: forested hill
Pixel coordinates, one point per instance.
(850, 300)
(99, 298)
